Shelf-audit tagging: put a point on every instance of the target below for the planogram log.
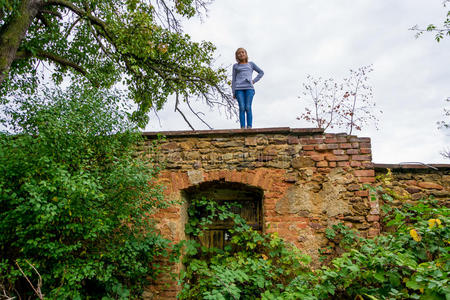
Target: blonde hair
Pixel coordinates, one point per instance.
(246, 56)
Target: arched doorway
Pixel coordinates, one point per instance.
(248, 197)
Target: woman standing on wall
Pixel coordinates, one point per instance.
(242, 85)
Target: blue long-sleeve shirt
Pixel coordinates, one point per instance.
(242, 76)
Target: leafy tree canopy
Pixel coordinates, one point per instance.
(139, 44)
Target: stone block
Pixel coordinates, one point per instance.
(187, 145)
(251, 141)
(430, 186)
(353, 187)
(195, 176)
(373, 218)
(302, 162)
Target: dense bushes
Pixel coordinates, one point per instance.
(410, 262)
(73, 198)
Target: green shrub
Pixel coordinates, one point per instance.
(249, 265)
(74, 197)
(411, 262)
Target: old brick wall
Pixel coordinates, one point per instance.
(415, 181)
(310, 180)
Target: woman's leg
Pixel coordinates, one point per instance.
(240, 97)
(248, 106)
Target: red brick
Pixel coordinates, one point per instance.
(355, 145)
(366, 179)
(338, 152)
(322, 164)
(367, 165)
(345, 146)
(352, 151)
(364, 173)
(365, 145)
(323, 147)
(364, 140)
(343, 163)
(355, 163)
(320, 147)
(309, 141)
(365, 150)
(363, 193)
(308, 147)
(337, 157)
(331, 141)
(302, 225)
(332, 164)
(293, 140)
(332, 146)
(373, 232)
(360, 157)
(317, 157)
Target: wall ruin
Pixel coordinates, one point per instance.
(310, 180)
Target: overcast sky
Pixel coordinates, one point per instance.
(289, 39)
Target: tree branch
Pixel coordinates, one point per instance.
(62, 61)
(37, 289)
(80, 12)
(197, 115)
(51, 12)
(181, 113)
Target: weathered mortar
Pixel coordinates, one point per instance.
(310, 179)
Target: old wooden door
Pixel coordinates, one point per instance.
(249, 200)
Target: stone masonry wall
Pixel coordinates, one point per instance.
(310, 180)
(415, 181)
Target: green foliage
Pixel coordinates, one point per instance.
(398, 265)
(412, 262)
(250, 265)
(439, 31)
(74, 197)
(139, 44)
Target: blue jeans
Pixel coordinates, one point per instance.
(245, 98)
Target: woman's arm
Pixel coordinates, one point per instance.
(258, 70)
